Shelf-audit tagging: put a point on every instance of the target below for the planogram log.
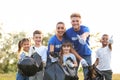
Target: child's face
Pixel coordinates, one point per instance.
(104, 40)
(26, 46)
(66, 48)
(37, 39)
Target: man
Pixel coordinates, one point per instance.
(79, 36)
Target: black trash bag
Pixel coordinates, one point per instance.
(55, 72)
(38, 60)
(94, 73)
(54, 54)
(71, 71)
(27, 66)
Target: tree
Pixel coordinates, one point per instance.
(8, 56)
(46, 38)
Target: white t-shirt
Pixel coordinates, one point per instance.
(42, 51)
(104, 56)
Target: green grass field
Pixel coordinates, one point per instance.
(11, 76)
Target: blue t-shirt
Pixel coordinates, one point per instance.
(56, 42)
(71, 35)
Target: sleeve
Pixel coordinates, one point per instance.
(30, 51)
(52, 40)
(22, 55)
(86, 29)
(97, 54)
(44, 55)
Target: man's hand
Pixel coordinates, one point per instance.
(81, 40)
(84, 63)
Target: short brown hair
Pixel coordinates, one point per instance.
(105, 35)
(60, 23)
(75, 15)
(37, 32)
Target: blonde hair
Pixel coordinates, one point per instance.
(75, 15)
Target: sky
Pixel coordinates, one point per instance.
(28, 15)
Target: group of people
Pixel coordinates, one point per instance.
(73, 43)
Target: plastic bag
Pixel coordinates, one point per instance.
(94, 74)
(55, 72)
(27, 66)
(38, 60)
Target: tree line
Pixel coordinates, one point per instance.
(8, 48)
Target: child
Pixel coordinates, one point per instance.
(67, 58)
(23, 49)
(41, 50)
(103, 57)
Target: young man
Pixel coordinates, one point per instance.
(103, 57)
(79, 36)
(41, 50)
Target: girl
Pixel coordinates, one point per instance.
(23, 49)
(68, 60)
(66, 53)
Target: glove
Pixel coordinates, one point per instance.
(82, 41)
(111, 40)
(54, 54)
(69, 63)
(84, 63)
(54, 59)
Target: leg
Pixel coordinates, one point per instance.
(19, 76)
(85, 69)
(107, 74)
(39, 75)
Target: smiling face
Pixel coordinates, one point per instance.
(26, 46)
(104, 40)
(66, 47)
(60, 29)
(37, 39)
(76, 21)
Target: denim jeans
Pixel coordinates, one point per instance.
(19, 76)
(107, 74)
(85, 69)
(38, 76)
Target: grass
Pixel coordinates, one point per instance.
(8, 76)
(12, 76)
(114, 76)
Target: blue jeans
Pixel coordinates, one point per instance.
(85, 69)
(107, 74)
(19, 76)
